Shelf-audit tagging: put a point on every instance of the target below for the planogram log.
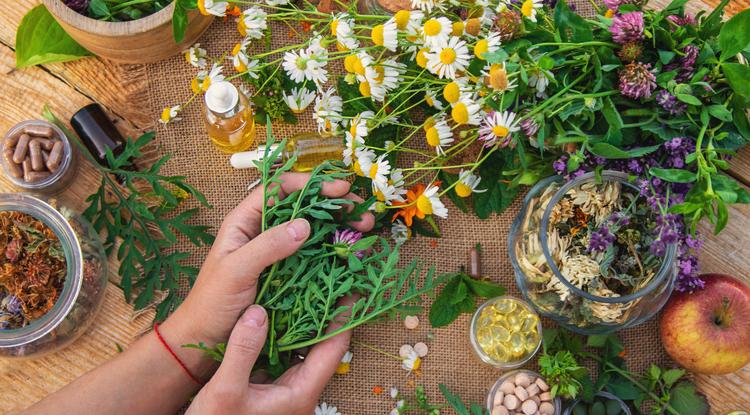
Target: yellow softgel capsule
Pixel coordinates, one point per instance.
(505, 306)
(529, 322)
(500, 334)
(515, 322)
(517, 345)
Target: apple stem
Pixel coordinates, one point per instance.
(723, 312)
(666, 406)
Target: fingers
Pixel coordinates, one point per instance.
(273, 245)
(322, 361)
(366, 221)
(243, 347)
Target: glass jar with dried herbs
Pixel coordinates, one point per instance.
(594, 254)
(53, 275)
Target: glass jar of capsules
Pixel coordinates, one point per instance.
(38, 157)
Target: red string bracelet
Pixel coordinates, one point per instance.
(177, 358)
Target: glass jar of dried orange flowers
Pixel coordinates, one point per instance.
(53, 275)
(595, 254)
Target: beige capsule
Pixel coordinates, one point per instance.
(523, 379)
(36, 176)
(542, 384)
(521, 393)
(22, 148)
(547, 408)
(38, 130)
(55, 156)
(511, 402)
(46, 143)
(500, 410)
(498, 399)
(35, 151)
(421, 349)
(507, 387)
(533, 389)
(411, 322)
(14, 169)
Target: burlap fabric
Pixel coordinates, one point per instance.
(451, 359)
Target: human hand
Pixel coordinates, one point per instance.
(227, 282)
(295, 392)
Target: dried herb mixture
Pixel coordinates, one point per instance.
(32, 269)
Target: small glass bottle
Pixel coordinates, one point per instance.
(229, 118)
(311, 150)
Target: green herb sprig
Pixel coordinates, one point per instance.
(459, 296)
(129, 215)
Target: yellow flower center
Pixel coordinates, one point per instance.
(500, 130)
(429, 101)
(195, 85)
(236, 50)
(240, 66)
(364, 89)
(202, 7)
(609, 14)
(381, 74)
(359, 69)
(166, 115)
(205, 84)
(374, 171)
(340, 47)
(527, 8)
(350, 63)
(241, 27)
(433, 138)
(402, 19)
(447, 56)
(452, 92)
(377, 35)
(432, 27)
(425, 206)
(353, 132)
(379, 195)
(343, 368)
(357, 167)
(481, 48)
(460, 113)
(462, 190)
(334, 26)
(422, 58)
(498, 78)
(458, 28)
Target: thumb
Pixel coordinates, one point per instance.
(244, 346)
(267, 248)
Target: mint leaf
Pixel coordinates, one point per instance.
(40, 39)
(443, 312)
(671, 376)
(483, 288)
(735, 35)
(686, 400)
(738, 77)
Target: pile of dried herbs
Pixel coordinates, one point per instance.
(32, 269)
(604, 238)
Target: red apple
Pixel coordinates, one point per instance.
(708, 331)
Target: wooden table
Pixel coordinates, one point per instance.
(122, 90)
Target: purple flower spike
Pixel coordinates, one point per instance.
(637, 81)
(601, 239)
(627, 27)
(670, 103)
(343, 240)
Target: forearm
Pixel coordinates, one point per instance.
(145, 379)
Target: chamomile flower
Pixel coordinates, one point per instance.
(360, 65)
(467, 184)
(452, 91)
(412, 362)
(358, 124)
(240, 60)
(498, 126)
(529, 8)
(300, 66)
(431, 99)
(466, 111)
(212, 76)
(386, 193)
(488, 45)
(317, 51)
(439, 135)
(328, 107)
(299, 99)
(497, 78)
(212, 7)
(196, 56)
(436, 31)
(383, 78)
(400, 233)
(252, 23)
(352, 148)
(424, 5)
(385, 35)
(345, 363)
(363, 162)
(446, 60)
(341, 28)
(378, 171)
(409, 21)
(325, 409)
(429, 203)
(539, 79)
(169, 114)
(397, 410)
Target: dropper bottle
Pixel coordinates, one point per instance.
(229, 118)
(311, 150)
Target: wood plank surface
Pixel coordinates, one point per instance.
(122, 89)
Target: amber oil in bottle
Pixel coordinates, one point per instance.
(311, 150)
(229, 118)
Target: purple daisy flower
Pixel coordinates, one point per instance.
(529, 127)
(627, 27)
(637, 81)
(343, 240)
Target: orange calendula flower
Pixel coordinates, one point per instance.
(410, 208)
(377, 390)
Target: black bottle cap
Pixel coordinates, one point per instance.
(97, 132)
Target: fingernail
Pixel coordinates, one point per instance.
(255, 316)
(298, 229)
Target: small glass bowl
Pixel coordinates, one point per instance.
(57, 181)
(473, 334)
(496, 387)
(607, 395)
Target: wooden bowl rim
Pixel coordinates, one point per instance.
(109, 29)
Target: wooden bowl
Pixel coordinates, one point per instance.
(148, 39)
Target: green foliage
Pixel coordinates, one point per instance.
(216, 352)
(734, 36)
(455, 401)
(459, 296)
(303, 292)
(128, 216)
(40, 39)
(563, 373)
